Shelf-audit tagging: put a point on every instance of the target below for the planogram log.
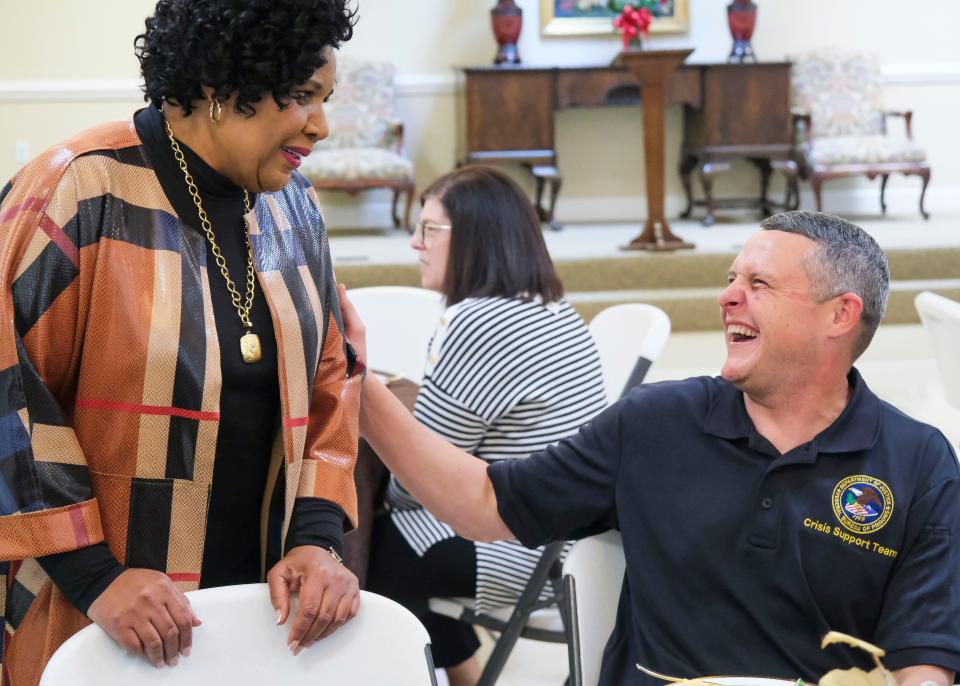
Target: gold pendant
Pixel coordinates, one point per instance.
(250, 347)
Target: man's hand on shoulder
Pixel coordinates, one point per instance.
(145, 612)
(329, 594)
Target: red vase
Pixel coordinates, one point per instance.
(507, 21)
(742, 18)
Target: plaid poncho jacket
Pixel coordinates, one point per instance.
(110, 374)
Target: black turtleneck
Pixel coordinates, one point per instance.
(249, 403)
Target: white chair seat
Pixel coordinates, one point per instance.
(547, 619)
(239, 644)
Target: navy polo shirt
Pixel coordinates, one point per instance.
(739, 559)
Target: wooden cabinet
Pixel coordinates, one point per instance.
(744, 112)
(730, 111)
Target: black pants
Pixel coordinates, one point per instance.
(448, 569)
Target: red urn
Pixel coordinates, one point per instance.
(742, 17)
(507, 21)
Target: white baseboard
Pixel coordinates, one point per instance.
(363, 214)
(859, 201)
(375, 213)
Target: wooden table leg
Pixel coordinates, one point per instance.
(790, 173)
(763, 165)
(547, 174)
(708, 170)
(687, 164)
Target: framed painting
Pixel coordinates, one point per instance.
(592, 18)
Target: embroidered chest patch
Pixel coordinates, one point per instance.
(862, 504)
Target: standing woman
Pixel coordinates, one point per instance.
(511, 369)
(178, 406)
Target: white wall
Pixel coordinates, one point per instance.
(69, 64)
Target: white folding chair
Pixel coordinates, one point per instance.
(400, 321)
(239, 643)
(629, 338)
(531, 618)
(941, 319)
(593, 579)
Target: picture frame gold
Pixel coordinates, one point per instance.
(553, 25)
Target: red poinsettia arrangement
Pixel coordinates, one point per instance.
(635, 17)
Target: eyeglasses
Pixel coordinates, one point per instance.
(425, 231)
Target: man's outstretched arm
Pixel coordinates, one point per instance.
(449, 482)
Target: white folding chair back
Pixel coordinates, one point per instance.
(597, 564)
(400, 321)
(629, 338)
(941, 319)
(239, 644)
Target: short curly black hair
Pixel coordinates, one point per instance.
(247, 47)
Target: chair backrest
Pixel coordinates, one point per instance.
(629, 338)
(238, 643)
(598, 565)
(363, 106)
(400, 321)
(842, 92)
(941, 319)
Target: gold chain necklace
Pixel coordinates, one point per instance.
(250, 342)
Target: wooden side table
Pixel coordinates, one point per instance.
(744, 113)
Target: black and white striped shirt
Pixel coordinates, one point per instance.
(504, 378)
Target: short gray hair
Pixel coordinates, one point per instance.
(846, 260)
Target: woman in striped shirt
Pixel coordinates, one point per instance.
(511, 369)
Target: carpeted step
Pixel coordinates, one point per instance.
(653, 271)
(685, 286)
(698, 310)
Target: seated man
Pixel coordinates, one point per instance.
(759, 509)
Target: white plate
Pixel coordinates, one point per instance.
(744, 680)
(748, 681)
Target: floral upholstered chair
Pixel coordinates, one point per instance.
(364, 149)
(841, 125)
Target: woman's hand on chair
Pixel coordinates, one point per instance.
(353, 328)
(144, 611)
(329, 594)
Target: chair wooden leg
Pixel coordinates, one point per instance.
(687, 164)
(393, 212)
(816, 182)
(538, 201)
(883, 189)
(406, 212)
(707, 171)
(554, 192)
(764, 167)
(792, 200)
(925, 175)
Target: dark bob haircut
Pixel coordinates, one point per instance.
(496, 245)
(247, 47)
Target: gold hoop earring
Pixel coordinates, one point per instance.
(216, 111)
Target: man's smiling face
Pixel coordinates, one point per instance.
(773, 325)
